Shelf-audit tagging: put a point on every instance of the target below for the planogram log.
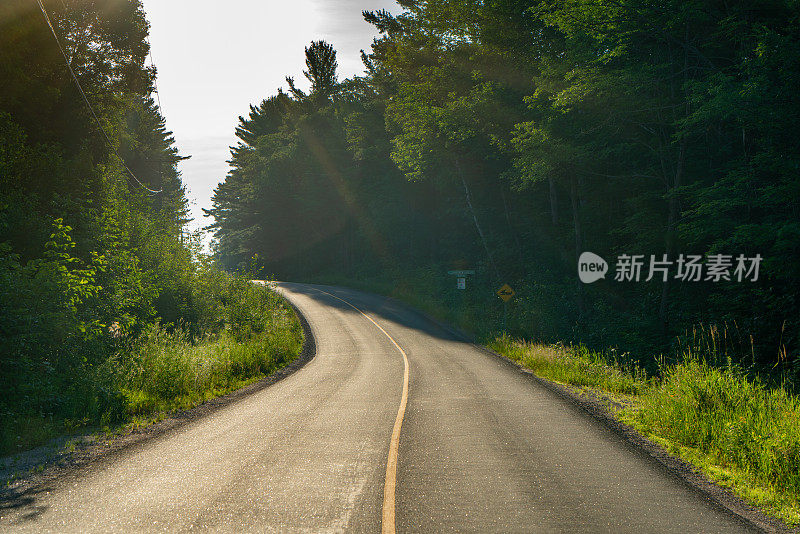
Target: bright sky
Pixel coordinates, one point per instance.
(215, 58)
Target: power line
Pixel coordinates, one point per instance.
(88, 104)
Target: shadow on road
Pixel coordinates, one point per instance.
(378, 307)
(23, 503)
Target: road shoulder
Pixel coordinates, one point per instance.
(602, 408)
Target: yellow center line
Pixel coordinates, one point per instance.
(388, 521)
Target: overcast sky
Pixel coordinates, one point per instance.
(215, 58)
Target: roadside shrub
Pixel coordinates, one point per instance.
(733, 418)
(91, 342)
(166, 369)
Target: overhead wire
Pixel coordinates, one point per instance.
(89, 105)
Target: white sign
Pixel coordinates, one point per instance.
(462, 283)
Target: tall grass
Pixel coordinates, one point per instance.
(741, 429)
(575, 365)
(741, 432)
(165, 370)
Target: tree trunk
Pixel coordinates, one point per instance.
(553, 201)
(475, 220)
(514, 235)
(672, 221)
(576, 222)
(674, 205)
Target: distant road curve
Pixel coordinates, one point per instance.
(479, 447)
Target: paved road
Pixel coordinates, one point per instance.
(482, 448)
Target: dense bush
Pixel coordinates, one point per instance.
(67, 363)
(747, 435)
(163, 370)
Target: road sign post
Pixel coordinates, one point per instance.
(461, 280)
(505, 293)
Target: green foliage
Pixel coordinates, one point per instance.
(734, 422)
(163, 370)
(736, 419)
(576, 365)
(321, 63)
(99, 282)
(248, 332)
(511, 136)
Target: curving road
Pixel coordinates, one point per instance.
(482, 448)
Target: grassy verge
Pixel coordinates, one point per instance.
(164, 369)
(574, 365)
(740, 433)
(166, 372)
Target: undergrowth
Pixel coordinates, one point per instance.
(250, 331)
(166, 371)
(743, 434)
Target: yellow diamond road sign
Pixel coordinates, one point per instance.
(506, 293)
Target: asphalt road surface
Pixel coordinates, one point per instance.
(482, 448)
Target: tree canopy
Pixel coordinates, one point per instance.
(514, 135)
